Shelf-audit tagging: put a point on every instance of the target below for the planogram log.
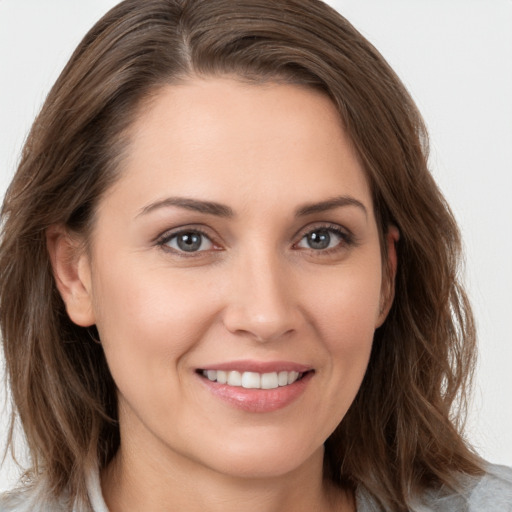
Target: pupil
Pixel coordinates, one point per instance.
(319, 239)
(189, 242)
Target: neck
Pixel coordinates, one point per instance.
(132, 483)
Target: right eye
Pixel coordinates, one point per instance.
(188, 241)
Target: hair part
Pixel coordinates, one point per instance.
(403, 431)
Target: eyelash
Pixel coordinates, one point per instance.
(166, 237)
(346, 240)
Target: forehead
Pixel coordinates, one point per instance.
(240, 144)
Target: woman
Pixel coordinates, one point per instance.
(228, 278)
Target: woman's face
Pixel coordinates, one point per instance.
(237, 251)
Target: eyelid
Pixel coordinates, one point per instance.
(341, 231)
(348, 238)
(163, 238)
(323, 225)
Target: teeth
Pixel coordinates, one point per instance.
(222, 377)
(234, 378)
(292, 377)
(252, 380)
(269, 381)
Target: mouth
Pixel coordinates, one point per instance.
(253, 380)
(275, 386)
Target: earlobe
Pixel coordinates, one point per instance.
(72, 273)
(388, 282)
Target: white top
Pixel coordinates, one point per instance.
(489, 493)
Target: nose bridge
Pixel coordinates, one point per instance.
(261, 304)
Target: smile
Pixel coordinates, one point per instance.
(269, 389)
(253, 380)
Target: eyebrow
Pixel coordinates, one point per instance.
(330, 204)
(208, 207)
(221, 210)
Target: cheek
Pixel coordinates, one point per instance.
(149, 324)
(347, 306)
(149, 320)
(346, 318)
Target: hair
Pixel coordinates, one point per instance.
(403, 432)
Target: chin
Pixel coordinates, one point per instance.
(264, 459)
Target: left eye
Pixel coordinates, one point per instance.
(189, 241)
(321, 239)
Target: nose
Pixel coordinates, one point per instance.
(262, 304)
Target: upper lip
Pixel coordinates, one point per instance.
(258, 366)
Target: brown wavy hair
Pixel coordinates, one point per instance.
(402, 434)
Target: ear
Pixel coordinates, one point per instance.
(72, 273)
(388, 278)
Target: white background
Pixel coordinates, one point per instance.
(455, 56)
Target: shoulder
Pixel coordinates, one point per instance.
(29, 500)
(493, 490)
(16, 501)
(36, 498)
(490, 492)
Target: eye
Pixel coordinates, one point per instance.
(187, 241)
(321, 239)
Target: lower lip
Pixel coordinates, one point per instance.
(258, 400)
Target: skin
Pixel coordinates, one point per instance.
(256, 290)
